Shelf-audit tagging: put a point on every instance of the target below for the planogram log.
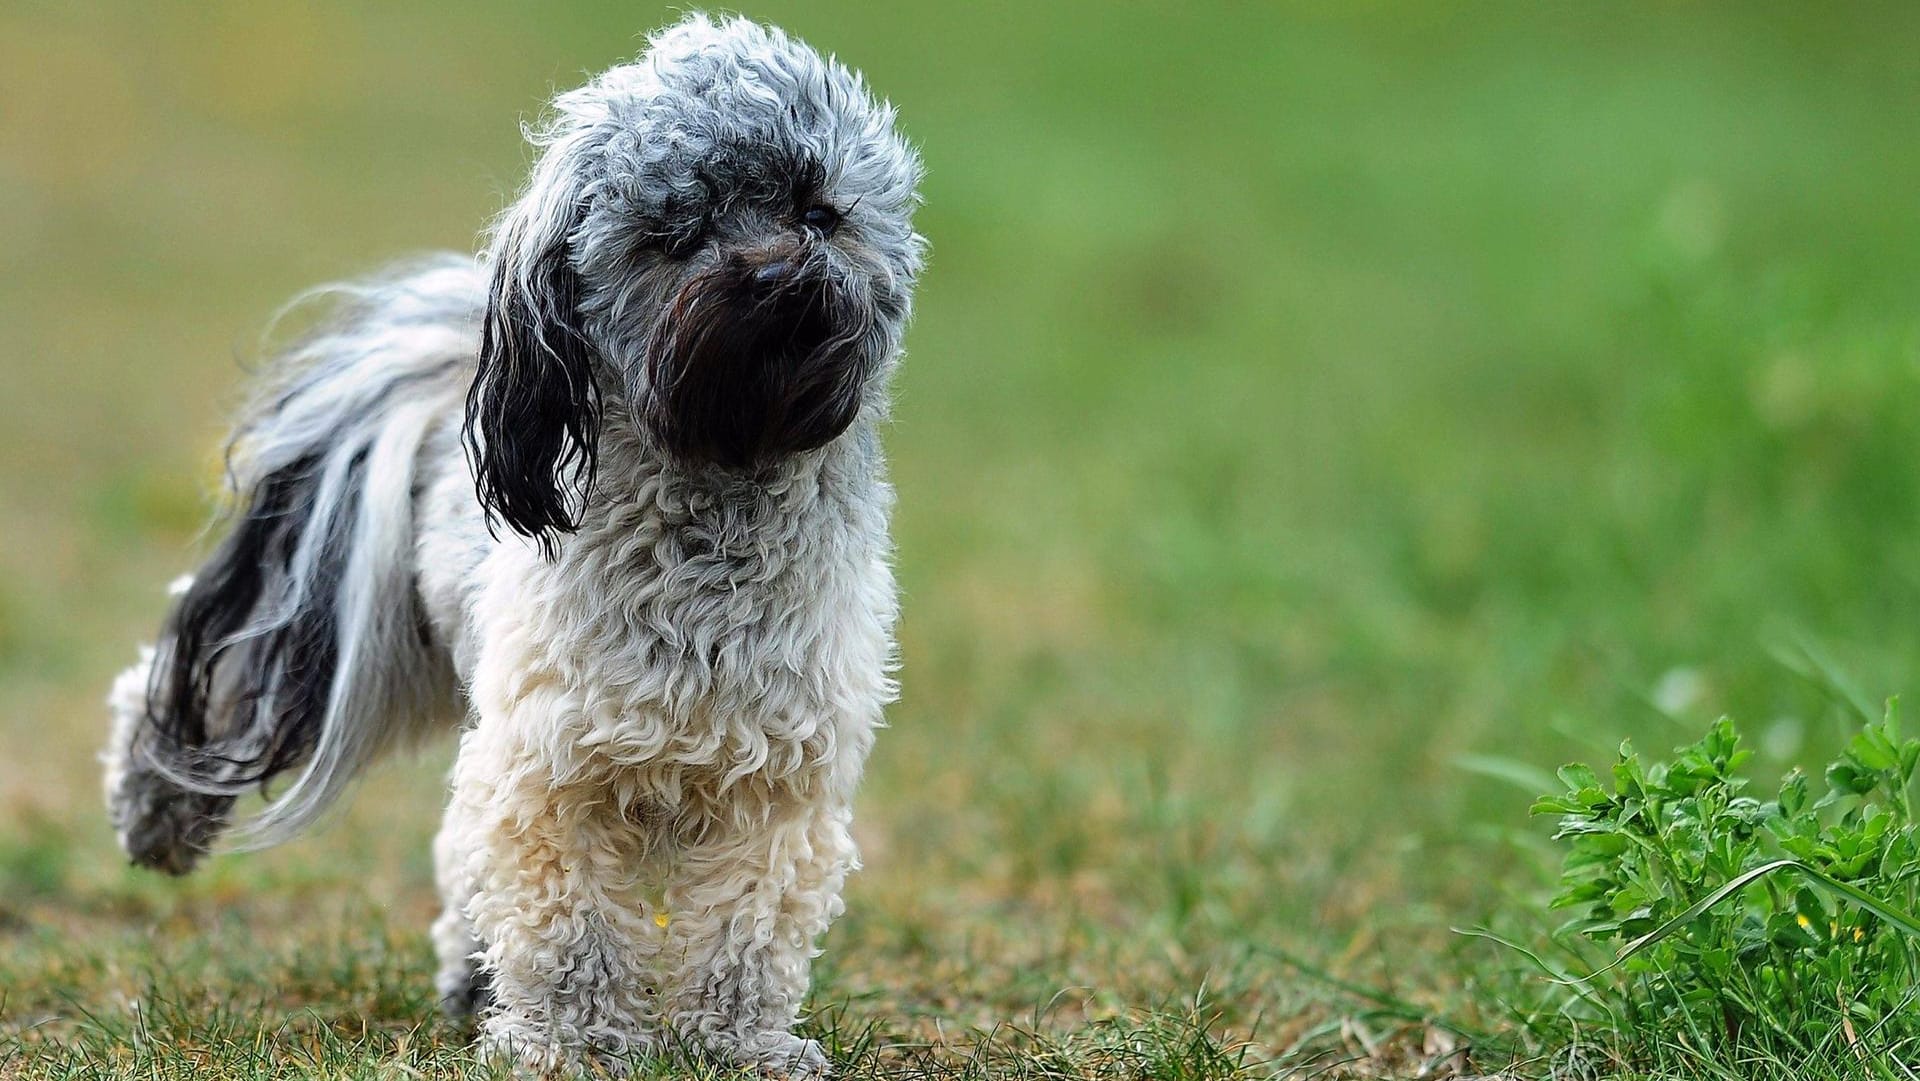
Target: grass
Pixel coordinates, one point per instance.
(1305, 404)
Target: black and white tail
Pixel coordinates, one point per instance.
(299, 644)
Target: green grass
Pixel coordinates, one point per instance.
(1303, 401)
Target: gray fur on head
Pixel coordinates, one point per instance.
(663, 377)
(663, 244)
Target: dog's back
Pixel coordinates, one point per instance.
(300, 642)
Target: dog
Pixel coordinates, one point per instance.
(609, 499)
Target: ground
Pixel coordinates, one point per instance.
(1305, 404)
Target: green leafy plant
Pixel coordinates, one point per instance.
(1716, 924)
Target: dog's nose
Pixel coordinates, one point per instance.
(778, 272)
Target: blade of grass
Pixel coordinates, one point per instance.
(1556, 975)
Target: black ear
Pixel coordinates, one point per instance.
(533, 412)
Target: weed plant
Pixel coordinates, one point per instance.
(1759, 931)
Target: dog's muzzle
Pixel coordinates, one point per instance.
(759, 357)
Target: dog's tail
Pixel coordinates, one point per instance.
(300, 642)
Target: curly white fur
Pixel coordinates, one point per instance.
(675, 655)
(704, 783)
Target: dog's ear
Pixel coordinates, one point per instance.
(533, 412)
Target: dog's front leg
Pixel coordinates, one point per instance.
(745, 910)
(562, 955)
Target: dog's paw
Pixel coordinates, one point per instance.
(531, 1050)
(465, 995)
(525, 1053)
(786, 1057)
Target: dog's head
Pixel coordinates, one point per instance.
(720, 234)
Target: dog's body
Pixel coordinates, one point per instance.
(673, 361)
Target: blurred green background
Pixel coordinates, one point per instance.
(1301, 397)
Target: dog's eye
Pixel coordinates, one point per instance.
(822, 219)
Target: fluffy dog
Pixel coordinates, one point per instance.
(613, 493)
